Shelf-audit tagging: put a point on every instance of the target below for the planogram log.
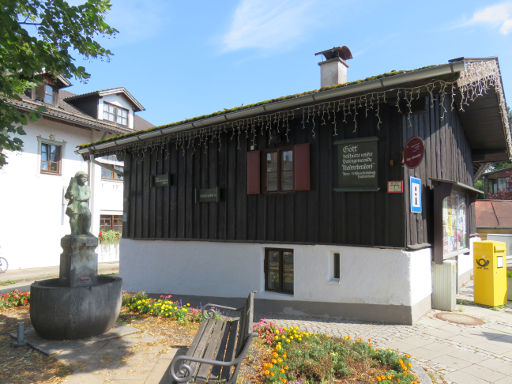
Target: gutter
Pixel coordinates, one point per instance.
(376, 84)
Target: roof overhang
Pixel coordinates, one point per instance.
(484, 122)
(303, 100)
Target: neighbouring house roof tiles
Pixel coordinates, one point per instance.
(109, 91)
(494, 213)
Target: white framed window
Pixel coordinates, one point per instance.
(50, 156)
(115, 114)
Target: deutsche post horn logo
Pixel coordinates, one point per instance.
(482, 262)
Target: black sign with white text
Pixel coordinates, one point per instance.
(357, 164)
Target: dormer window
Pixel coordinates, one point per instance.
(45, 93)
(48, 94)
(115, 114)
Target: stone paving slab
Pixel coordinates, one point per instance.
(57, 347)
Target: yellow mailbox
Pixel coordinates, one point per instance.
(490, 272)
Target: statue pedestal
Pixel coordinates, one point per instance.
(78, 262)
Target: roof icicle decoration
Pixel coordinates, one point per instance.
(477, 78)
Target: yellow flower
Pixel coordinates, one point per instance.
(267, 372)
(279, 360)
(275, 354)
(274, 361)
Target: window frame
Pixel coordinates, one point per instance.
(279, 152)
(60, 145)
(112, 222)
(50, 95)
(116, 113)
(111, 175)
(281, 270)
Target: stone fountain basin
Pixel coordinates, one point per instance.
(62, 312)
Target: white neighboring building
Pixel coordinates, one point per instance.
(33, 183)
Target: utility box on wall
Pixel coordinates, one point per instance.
(444, 285)
(490, 273)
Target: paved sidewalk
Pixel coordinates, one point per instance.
(462, 354)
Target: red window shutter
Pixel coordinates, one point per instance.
(301, 167)
(253, 173)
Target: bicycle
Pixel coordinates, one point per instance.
(3, 264)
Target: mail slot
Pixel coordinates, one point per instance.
(490, 272)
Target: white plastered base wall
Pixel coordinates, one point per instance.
(383, 277)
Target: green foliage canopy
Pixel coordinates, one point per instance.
(39, 36)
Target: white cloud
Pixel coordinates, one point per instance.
(498, 15)
(268, 24)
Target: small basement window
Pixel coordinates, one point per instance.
(335, 276)
(279, 270)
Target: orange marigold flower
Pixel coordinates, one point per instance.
(281, 370)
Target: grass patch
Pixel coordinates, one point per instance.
(7, 282)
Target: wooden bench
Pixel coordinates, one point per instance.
(218, 348)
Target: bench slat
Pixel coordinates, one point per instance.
(214, 344)
(230, 350)
(201, 345)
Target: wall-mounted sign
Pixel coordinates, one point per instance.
(161, 180)
(208, 195)
(415, 194)
(357, 165)
(396, 186)
(413, 152)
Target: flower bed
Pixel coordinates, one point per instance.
(164, 307)
(305, 358)
(14, 298)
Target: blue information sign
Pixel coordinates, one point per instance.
(415, 194)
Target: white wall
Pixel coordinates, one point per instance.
(32, 204)
(368, 275)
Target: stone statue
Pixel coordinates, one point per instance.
(78, 193)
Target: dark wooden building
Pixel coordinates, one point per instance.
(334, 201)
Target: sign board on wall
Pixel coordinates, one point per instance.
(357, 165)
(413, 152)
(415, 194)
(161, 180)
(208, 195)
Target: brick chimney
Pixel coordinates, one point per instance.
(333, 70)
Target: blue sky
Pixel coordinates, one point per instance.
(182, 59)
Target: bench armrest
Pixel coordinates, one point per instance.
(209, 310)
(182, 362)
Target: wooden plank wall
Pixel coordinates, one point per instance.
(318, 216)
(447, 156)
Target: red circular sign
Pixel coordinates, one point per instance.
(413, 152)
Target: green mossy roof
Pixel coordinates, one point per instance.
(243, 107)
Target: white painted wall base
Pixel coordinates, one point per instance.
(387, 277)
(108, 252)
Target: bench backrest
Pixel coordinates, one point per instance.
(246, 320)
